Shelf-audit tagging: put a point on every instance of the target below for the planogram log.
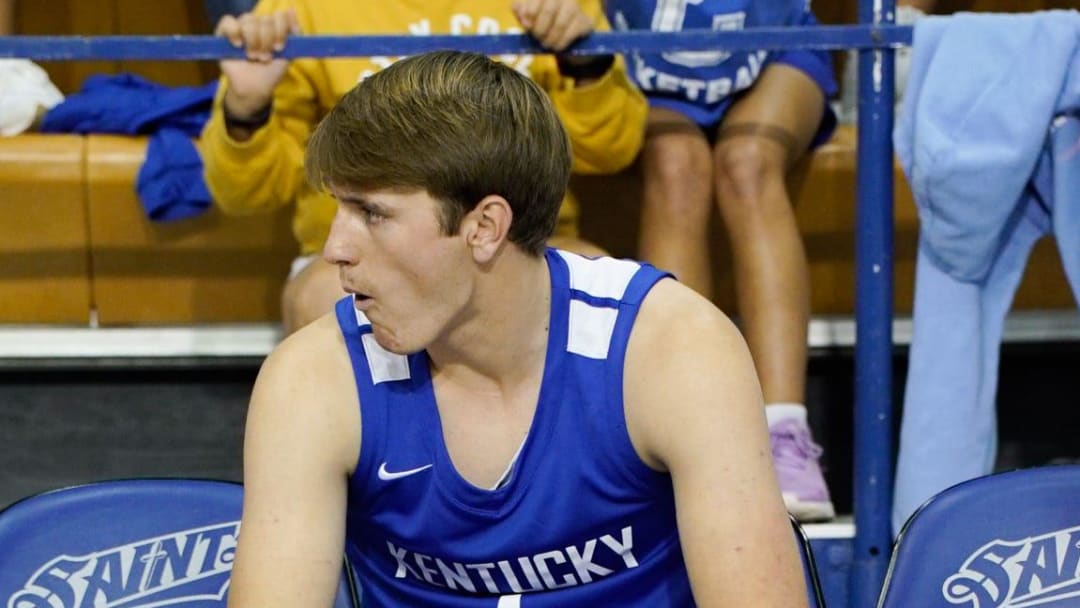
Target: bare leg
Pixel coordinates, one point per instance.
(766, 131)
(677, 202)
(763, 134)
(310, 295)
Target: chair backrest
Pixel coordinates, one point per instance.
(1011, 539)
(815, 596)
(137, 542)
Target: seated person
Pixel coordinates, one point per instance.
(266, 108)
(486, 422)
(723, 129)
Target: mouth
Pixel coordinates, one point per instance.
(361, 301)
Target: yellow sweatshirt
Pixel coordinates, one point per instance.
(605, 119)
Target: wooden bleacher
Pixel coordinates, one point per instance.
(77, 249)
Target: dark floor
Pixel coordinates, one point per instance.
(66, 426)
(61, 425)
(1038, 408)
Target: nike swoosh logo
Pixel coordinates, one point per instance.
(392, 475)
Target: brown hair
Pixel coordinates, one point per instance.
(458, 125)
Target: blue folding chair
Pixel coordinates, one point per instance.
(815, 596)
(136, 542)
(1011, 539)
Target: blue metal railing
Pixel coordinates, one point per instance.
(186, 48)
(873, 453)
(876, 36)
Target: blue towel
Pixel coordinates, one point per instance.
(170, 182)
(990, 140)
(981, 94)
(127, 104)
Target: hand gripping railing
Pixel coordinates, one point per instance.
(875, 37)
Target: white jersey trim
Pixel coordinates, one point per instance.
(385, 366)
(590, 329)
(600, 277)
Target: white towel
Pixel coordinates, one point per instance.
(25, 91)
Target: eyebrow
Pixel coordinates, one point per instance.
(365, 203)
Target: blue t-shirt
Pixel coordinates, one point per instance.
(701, 84)
(580, 520)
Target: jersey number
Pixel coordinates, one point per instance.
(509, 601)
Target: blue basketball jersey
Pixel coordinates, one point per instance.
(700, 83)
(580, 520)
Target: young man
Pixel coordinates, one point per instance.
(253, 145)
(723, 130)
(486, 422)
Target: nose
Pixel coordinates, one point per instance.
(341, 244)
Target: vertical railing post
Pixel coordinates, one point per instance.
(873, 445)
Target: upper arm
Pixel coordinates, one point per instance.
(694, 408)
(302, 438)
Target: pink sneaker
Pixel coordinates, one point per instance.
(795, 456)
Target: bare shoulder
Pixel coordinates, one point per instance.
(675, 321)
(310, 357)
(686, 361)
(306, 387)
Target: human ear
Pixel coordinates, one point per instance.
(488, 227)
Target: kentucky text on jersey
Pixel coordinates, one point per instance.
(700, 77)
(555, 569)
(702, 85)
(1029, 572)
(696, 89)
(184, 566)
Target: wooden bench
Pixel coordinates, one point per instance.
(76, 248)
(77, 240)
(44, 242)
(210, 269)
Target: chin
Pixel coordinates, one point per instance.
(391, 343)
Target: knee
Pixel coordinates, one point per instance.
(679, 177)
(744, 168)
(308, 296)
(300, 306)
